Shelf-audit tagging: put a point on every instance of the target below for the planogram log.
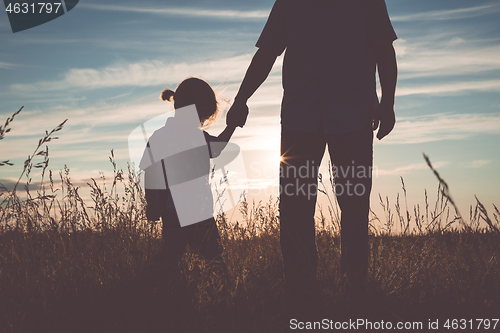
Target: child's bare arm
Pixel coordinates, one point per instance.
(218, 143)
(225, 136)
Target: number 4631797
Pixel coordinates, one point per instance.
(33, 8)
(480, 324)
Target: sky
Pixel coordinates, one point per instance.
(103, 66)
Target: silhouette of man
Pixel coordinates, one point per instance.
(333, 49)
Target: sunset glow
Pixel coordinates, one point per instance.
(102, 66)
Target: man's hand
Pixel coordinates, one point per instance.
(385, 116)
(237, 114)
(388, 75)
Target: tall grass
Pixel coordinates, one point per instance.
(69, 266)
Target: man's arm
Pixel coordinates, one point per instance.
(388, 74)
(257, 73)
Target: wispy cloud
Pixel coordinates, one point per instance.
(255, 183)
(442, 56)
(475, 164)
(143, 74)
(449, 88)
(480, 163)
(415, 60)
(43, 40)
(447, 64)
(183, 11)
(406, 169)
(450, 14)
(6, 65)
(438, 127)
(31, 122)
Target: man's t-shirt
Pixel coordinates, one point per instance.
(329, 67)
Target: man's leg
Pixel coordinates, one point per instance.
(301, 155)
(351, 155)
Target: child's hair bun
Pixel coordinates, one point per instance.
(167, 95)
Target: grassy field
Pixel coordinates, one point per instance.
(68, 266)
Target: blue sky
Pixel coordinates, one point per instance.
(104, 64)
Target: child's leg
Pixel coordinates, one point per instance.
(174, 239)
(204, 238)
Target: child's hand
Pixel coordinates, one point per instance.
(237, 114)
(385, 116)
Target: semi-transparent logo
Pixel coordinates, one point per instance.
(171, 152)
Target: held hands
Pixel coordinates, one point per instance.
(237, 114)
(385, 116)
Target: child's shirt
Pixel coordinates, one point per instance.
(178, 160)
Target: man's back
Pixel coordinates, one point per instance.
(329, 65)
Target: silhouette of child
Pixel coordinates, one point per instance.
(177, 171)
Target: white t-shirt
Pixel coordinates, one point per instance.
(329, 68)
